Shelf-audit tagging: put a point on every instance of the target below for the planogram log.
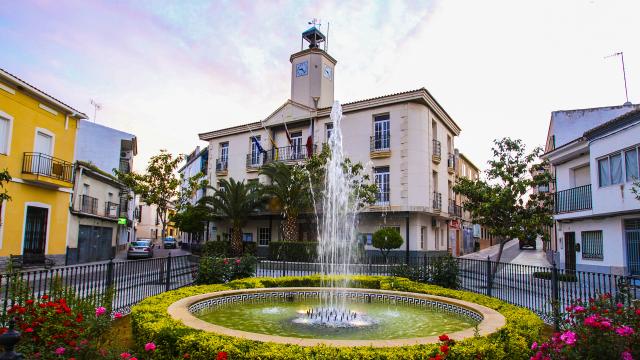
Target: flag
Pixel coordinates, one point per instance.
(310, 140)
(257, 143)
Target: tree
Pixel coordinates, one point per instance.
(192, 217)
(505, 202)
(4, 179)
(235, 201)
(386, 239)
(636, 189)
(290, 193)
(158, 186)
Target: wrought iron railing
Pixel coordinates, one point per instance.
(221, 165)
(437, 200)
(125, 166)
(380, 143)
(451, 162)
(45, 165)
(88, 204)
(455, 209)
(111, 209)
(382, 198)
(289, 153)
(575, 199)
(255, 161)
(437, 148)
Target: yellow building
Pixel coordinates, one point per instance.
(37, 137)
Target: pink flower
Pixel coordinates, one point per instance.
(237, 261)
(59, 351)
(568, 337)
(605, 324)
(150, 347)
(134, 358)
(626, 356)
(226, 261)
(100, 311)
(125, 355)
(117, 315)
(624, 331)
(578, 309)
(619, 305)
(591, 321)
(534, 345)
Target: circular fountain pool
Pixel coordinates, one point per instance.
(358, 316)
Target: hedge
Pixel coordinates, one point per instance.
(222, 248)
(293, 251)
(151, 322)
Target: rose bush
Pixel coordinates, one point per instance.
(220, 270)
(599, 328)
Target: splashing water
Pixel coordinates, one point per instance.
(337, 243)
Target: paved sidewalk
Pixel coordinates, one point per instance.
(535, 257)
(512, 254)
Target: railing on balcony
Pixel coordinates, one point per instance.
(451, 162)
(221, 165)
(575, 199)
(455, 209)
(88, 204)
(45, 165)
(289, 153)
(437, 148)
(125, 166)
(437, 200)
(123, 207)
(382, 198)
(379, 143)
(111, 209)
(255, 161)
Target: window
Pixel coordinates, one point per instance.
(631, 164)
(5, 132)
(382, 182)
(247, 237)
(603, 172)
(329, 131)
(224, 152)
(616, 169)
(381, 132)
(592, 245)
(264, 236)
(255, 151)
(423, 237)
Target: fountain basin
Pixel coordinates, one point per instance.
(473, 317)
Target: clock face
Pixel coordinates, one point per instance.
(302, 68)
(327, 72)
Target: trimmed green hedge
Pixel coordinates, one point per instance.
(293, 251)
(151, 322)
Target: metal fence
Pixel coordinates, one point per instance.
(130, 281)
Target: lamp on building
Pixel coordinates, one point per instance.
(315, 100)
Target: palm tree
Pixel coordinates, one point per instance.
(235, 201)
(290, 194)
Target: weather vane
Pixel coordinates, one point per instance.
(315, 22)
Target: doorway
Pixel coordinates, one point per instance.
(94, 243)
(632, 236)
(570, 251)
(35, 231)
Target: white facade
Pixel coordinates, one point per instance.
(419, 179)
(195, 163)
(594, 176)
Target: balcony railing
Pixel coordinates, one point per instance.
(48, 166)
(575, 199)
(437, 201)
(221, 165)
(382, 198)
(289, 153)
(379, 143)
(255, 161)
(111, 210)
(455, 209)
(88, 204)
(437, 149)
(125, 166)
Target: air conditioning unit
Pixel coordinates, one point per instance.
(125, 155)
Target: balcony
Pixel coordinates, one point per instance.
(289, 153)
(125, 166)
(451, 164)
(111, 210)
(455, 210)
(88, 205)
(380, 146)
(575, 199)
(47, 170)
(255, 161)
(222, 167)
(437, 202)
(437, 152)
(382, 198)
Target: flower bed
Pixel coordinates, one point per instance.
(151, 322)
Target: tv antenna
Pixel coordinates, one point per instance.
(315, 22)
(624, 75)
(96, 106)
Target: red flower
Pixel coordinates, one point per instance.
(444, 349)
(28, 330)
(222, 355)
(443, 337)
(45, 297)
(186, 356)
(29, 302)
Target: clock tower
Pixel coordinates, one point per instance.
(312, 72)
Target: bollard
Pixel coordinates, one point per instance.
(9, 340)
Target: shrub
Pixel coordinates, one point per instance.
(222, 248)
(386, 239)
(151, 322)
(596, 329)
(293, 251)
(220, 270)
(444, 272)
(546, 275)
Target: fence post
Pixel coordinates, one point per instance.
(488, 276)
(284, 268)
(555, 295)
(110, 273)
(9, 340)
(168, 275)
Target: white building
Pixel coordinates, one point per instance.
(597, 218)
(197, 162)
(406, 139)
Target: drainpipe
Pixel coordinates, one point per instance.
(407, 238)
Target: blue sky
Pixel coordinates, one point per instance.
(167, 71)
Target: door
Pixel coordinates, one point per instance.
(570, 251)
(381, 128)
(632, 236)
(41, 163)
(296, 146)
(94, 243)
(35, 231)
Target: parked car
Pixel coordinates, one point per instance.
(170, 243)
(140, 248)
(528, 241)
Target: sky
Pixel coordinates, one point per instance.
(168, 70)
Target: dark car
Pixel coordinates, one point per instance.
(529, 241)
(169, 243)
(140, 249)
